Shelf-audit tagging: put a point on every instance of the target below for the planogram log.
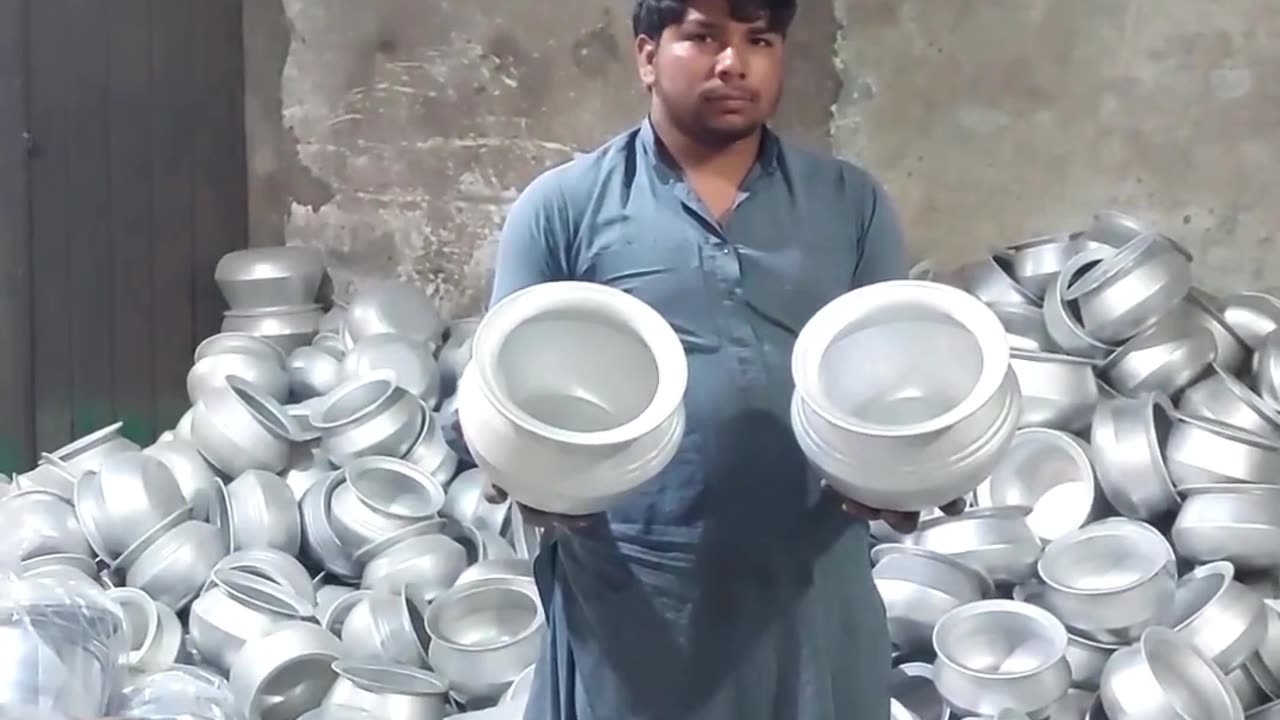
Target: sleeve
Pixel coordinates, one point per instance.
(533, 246)
(881, 251)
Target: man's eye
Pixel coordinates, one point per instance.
(762, 42)
(701, 38)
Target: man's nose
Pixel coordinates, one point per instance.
(729, 65)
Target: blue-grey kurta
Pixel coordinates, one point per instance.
(728, 588)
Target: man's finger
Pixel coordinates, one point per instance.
(544, 520)
(858, 510)
(903, 522)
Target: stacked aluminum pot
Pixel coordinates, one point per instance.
(1120, 560)
(306, 538)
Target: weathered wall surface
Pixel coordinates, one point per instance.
(394, 133)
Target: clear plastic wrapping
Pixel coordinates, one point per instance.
(61, 643)
(182, 691)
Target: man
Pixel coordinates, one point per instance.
(731, 586)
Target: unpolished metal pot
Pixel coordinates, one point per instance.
(574, 395)
(239, 428)
(909, 432)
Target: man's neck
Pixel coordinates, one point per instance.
(733, 160)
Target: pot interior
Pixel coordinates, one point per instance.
(900, 365)
(487, 618)
(1103, 561)
(577, 371)
(355, 400)
(998, 642)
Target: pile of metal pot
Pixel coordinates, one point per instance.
(1121, 555)
(301, 544)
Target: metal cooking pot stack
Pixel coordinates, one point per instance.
(305, 540)
(1120, 559)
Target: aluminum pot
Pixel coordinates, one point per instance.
(1129, 291)
(1252, 314)
(1162, 676)
(393, 307)
(542, 406)
(238, 428)
(312, 372)
(262, 277)
(87, 454)
(913, 433)
(389, 692)
(1062, 317)
(370, 415)
(1226, 399)
(997, 541)
(1058, 391)
(918, 587)
(484, 634)
(196, 479)
(1050, 472)
(1115, 229)
(235, 608)
(1266, 369)
(414, 367)
(1108, 582)
(991, 280)
(286, 673)
(1231, 350)
(1036, 263)
(1024, 326)
(1165, 358)
(1201, 451)
(1127, 438)
(1223, 620)
(241, 355)
(455, 353)
(287, 327)
(996, 655)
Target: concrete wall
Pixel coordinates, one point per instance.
(394, 133)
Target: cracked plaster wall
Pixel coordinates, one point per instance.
(394, 133)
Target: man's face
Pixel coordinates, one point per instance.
(717, 79)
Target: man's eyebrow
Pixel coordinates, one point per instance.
(701, 24)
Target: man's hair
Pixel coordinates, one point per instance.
(651, 17)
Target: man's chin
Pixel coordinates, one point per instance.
(730, 129)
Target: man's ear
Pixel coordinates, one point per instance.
(646, 51)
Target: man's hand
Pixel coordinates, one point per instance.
(903, 522)
(538, 518)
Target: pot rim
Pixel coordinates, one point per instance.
(638, 316)
(1226, 575)
(830, 321)
(1122, 261)
(279, 418)
(431, 488)
(354, 671)
(387, 378)
(884, 551)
